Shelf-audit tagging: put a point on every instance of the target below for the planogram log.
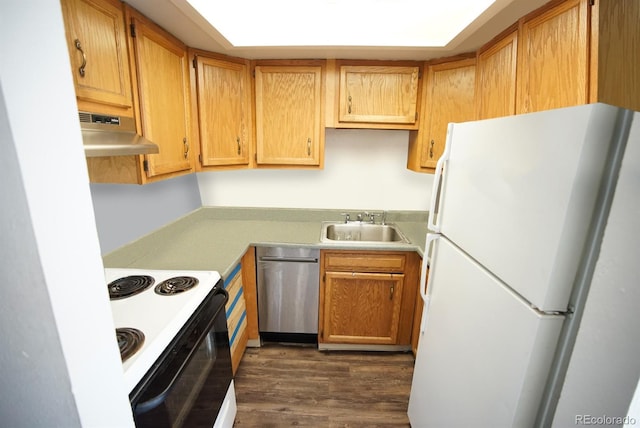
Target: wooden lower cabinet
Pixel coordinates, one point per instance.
(367, 297)
(362, 307)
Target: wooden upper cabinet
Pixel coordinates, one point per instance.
(223, 111)
(161, 65)
(96, 39)
(378, 94)
(289, 106)
(615, 53)
(496, 77)
(450, 97)
(553, 52)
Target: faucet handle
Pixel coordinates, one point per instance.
(347, 217)
(372, 217)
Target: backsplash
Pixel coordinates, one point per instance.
(363, 169)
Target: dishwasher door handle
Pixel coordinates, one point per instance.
(289, 259)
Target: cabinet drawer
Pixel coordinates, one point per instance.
(369, 261)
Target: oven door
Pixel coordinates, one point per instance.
(187, 385)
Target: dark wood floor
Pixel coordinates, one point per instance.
(289, 385)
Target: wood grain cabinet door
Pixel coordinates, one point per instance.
(378, 94)
(496, 78)
(450, 98)
(224, 114)
(163, 84)
(289, 107)
(553, 52)
(96, 39)
(362, 307)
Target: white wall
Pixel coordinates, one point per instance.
(364, 169)
(59, 360)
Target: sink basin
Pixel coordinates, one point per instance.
(361, 232)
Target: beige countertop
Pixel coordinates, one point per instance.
(215, 238)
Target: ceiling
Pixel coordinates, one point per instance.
(179, 18)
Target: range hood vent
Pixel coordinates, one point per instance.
(105, 135)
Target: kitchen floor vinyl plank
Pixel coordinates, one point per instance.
(290, 385)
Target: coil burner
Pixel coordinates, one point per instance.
(129, 286)
(176, 285)
(130, 340)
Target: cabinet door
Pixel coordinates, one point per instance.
(224, 114)
(163, 83)
(362, 307)
(98, 51)
(496, 78)
(289, 107)
(450, 98)
(378, 94)
(553, 65)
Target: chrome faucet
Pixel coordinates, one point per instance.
(347, 217)
(372, 217)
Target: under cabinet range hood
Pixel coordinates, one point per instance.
(105, 135)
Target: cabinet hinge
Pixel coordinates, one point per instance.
(195, 62)
(145, 165)
(132, 29)
(200, 157)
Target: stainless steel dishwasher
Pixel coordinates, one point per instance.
(288, 289)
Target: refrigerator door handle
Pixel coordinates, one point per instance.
(425, 282)
(436, 191)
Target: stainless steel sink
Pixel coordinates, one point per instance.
(361, 232)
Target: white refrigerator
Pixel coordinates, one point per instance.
(532, 306)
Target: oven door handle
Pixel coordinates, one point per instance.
(153, 402)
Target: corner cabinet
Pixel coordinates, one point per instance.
(449, 97)
(223, 107)
(378, 94)
(162, 76)
(367, 297)
(289, 103)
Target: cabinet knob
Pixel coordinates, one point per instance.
(238, 143)
(84, 58)
(431, 149)
(186, 147)
(308, 146)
